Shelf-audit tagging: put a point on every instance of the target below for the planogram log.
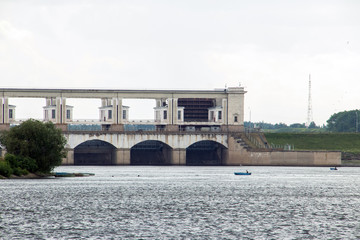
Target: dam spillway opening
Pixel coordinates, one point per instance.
(150, 152)
(95, 152)
(205, 153)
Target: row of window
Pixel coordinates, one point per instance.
(110, 114)
(53, 114)
(178, 116)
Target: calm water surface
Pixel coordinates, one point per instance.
(148, 202)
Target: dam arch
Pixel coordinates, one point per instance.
(95, 152)
(206, 153)
(151, 152)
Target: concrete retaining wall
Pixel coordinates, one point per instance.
(283, 158)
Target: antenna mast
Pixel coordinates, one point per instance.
(310, 113)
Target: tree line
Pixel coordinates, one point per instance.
(346, 121)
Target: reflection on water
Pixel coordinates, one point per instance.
(147, 202)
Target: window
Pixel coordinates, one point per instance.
(165, 114)
(68, 114)
(179, 115)
(124, 114)
(10, 113)
(110, 114)
(235, 119)
(53, 114)
(219, 115)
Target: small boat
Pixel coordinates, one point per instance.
(333, 168)
(242, 173)
(66, 174)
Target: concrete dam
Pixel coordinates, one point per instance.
(190, 127)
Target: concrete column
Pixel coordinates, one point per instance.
(58, 111)
(69, 160)
(169, 111)
(175, 110)
(63, 110)
(115, 116)
(120, 111)
(225, 156)
(172, 110)
(1, 111)
(5, 110)
(103, 102)
(122, 156)
(178, 156)
(158, 102)
(225, 112)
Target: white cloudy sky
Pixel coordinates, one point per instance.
(270, 47)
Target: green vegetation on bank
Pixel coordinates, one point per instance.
(32, 146)
(344, 142)
(296, 130)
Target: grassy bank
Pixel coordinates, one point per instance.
(345, 142)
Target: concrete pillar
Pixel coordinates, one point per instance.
(122, 156)
(120, 111)
(225, 112)
(58, 111)
(175, 110)
(225, 156)
(115, 116)
(5, 111)
(1, 111)
(172, 110)
(63, 110)
(69, 160)
(178, 156)
(169, 111)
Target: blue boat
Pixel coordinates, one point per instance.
(333, 168)
(242, 173)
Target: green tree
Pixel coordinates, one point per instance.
(312, 125)
(347, 121)
(33, 139)
(297, 125)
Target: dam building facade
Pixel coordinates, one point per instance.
(190, 127)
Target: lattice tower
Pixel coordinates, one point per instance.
(310, 113)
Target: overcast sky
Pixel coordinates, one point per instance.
(269, 47)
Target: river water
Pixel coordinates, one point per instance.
(180, 202)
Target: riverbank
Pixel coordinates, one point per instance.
(51, 175)
(347, 143)
(27, 176)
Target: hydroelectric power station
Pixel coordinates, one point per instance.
(190, 127)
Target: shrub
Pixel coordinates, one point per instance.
(12, 160)
(18, 171)
(21, 162)
(5, 169)
(28, 164)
